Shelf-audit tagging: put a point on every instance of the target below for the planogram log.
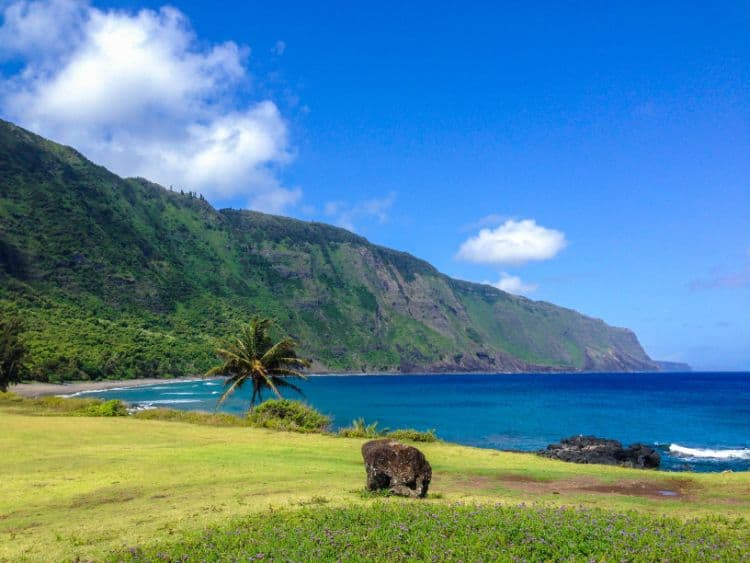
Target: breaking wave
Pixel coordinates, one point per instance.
(706, 453)
(171, 401)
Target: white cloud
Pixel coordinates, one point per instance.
(279, 48)
(345, 215)
(513, 284)
(276, 200)
(139, 93)
(34, 29)
(513, 242)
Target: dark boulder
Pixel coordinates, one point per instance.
(590, 449)
(401, 469)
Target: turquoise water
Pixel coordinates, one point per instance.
(698, 421)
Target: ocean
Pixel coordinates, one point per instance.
(697, 421)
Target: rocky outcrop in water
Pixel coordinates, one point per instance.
(401, 469)
(590, 449)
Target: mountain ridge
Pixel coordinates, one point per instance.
(123, 277)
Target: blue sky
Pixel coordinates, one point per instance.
(604, 150)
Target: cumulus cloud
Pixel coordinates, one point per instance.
(346, 215)
(513, 284)
(139, 93)
(513, 242)
(36, 29)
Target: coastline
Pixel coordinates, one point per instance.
(38, 389)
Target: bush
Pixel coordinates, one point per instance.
(284, 414)
(360, 429)
(191, 417)
(70, 406)
(413, 435)
(108, 408)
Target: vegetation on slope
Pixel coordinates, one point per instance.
(12, 353)
(119, 278)
(460, 532)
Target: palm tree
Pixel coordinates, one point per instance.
(255, 357)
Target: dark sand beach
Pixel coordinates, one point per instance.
(36, 389)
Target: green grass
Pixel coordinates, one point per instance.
(56, 406)
(84, 486)
(408, 531)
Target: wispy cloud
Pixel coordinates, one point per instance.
(347, 215)
(728, 281)
(279, 48)
(141, 94)
(513, 284)
(732, 280)
(513, 242)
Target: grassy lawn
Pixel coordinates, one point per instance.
(86, 486)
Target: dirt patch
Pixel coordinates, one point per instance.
(673, 489)
(104, 496)
(666, 489)
(485, 481)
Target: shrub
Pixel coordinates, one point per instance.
(284, 414)
(191, 417)
(70, 406)
(360, 429)
(413, 435)
(8, 398)
(12, 352)
(107, 408)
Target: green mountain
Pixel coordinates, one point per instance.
(122, 278)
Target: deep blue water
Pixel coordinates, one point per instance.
(701, 411)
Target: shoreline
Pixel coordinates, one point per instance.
(37, 389)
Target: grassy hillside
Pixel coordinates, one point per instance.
(123, 278)
(86, 486)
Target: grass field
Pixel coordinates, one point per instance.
(79, 486)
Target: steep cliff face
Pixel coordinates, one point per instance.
(122, 278)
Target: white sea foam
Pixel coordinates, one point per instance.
(180, 393)
(93, 391)
(706, 453)
(172, 401)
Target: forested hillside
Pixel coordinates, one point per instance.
(124, 278)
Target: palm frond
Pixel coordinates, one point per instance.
(281, 348)
(254, 356)
(283, 383)
(268, 380)
(287, 372)
(238, 382)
